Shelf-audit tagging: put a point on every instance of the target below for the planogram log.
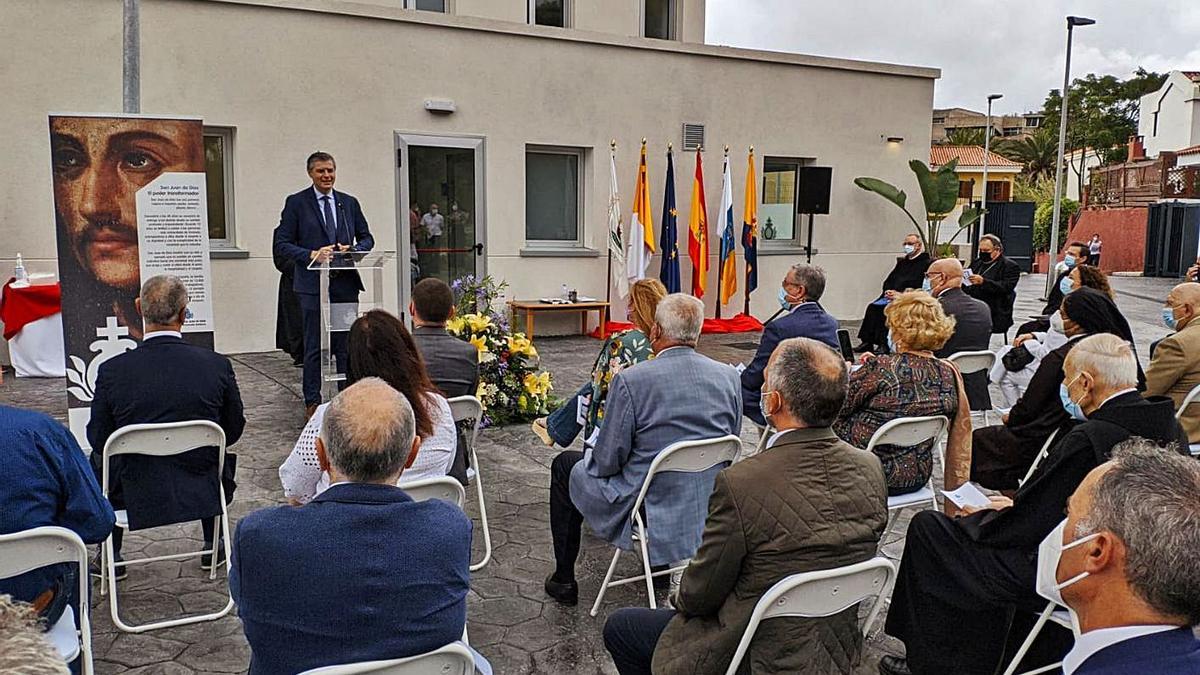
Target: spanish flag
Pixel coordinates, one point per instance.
(728, 243)
(641, 228)
(750, 228)
(698, 231)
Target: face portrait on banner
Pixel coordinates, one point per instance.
(103, 169)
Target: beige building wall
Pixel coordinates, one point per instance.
(346, 77)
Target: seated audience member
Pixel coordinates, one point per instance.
(1044, 339)
(362, 572)
(1001, 454)
(680, 395)
(972, 324)
(621, 351)
(906, 275)
(47, 481)
(1074, 256)
(749, 544)
(1175, 367)
(994, 280)
(1127, 565)
(959, 579)
(24, 649)
(379, 346)
(800, 295)
(910, 382)
(166, 380)
(452, 364)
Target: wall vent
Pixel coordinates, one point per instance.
(693, 136)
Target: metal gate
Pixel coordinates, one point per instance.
(1013, 223)
(1172, 235)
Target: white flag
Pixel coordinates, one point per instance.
(616, 230)
(641, 226)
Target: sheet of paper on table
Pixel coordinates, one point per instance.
(967, 494)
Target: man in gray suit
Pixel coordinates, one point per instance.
(679, 395)
(452, 364)
(972, 324)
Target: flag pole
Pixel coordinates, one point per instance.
(608, 282)
(746, 294)
(721, 263)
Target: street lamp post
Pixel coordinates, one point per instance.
(987, 151)
(1072, 22)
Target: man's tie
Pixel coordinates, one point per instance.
(330, 223)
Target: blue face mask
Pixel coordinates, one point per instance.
(1070, 406)
(762, 404)
(1066, 286)
(1069, 261)
(927, 285)
(1168, 315)
(783, 299)
(891, 343)
(909, 248)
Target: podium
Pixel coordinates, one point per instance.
(342, 303)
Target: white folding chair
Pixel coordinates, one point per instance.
(974, 362)
(907, 432)
(1187, 401)
(685, 457)
(464, 408)
(1055, 614)
(438, 487)
(1042, 454)
(39, 547)
(164, 440)
(818, 594)
(453, 659)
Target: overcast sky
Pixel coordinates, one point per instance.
(1013, 48)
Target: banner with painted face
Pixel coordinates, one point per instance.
(129, 204)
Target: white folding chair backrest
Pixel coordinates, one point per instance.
(28, 550)
(819, 593)
(453, 659)
(909, 431)
(439, 487)
(464, 408)
(690, 457)
(1042, 454)
(1187, 401)
(164, 440)
(973, 362)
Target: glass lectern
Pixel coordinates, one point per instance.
(342, 303)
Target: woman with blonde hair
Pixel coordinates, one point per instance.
(621, 351)
(910, 382)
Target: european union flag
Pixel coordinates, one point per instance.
(668, 272)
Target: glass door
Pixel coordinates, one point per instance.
(441, 230)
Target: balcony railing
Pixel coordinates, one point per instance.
(1140, 183)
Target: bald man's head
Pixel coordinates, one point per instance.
(1184, 302)
(368, 432)
(944, 273)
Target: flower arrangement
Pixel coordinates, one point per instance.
(512, 388)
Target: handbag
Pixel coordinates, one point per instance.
(1016, 359)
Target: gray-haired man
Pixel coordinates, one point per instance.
(680, 395)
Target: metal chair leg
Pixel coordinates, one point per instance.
(487, 535)
(612, 567)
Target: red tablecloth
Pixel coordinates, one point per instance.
(742, 323)
(19, 306)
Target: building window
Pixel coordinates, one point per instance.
(553, 196)
(658, 19)
(999, 190)
(549, 13)
(1033, 121)
(777, 201)
(939, 120)
(1012, 131)
(427, 5)
(966, 189)
(218, 172)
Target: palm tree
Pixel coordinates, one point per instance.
(1037, 153)
(965, 136)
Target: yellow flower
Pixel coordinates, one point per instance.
(478, 322)
(455, 325)
(480, 344)
(519, 344)
(538, 385)
(522, 401)
(480, 390)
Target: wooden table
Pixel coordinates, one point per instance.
(532, 307)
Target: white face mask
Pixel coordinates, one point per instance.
(1056, 323)
(1049, 554)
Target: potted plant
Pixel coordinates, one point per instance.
(939, 191)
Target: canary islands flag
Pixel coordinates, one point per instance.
(641, 229)
(698, 232)
(668, 271)
(728, 257)
(750, 228)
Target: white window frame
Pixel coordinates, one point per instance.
(227, 142)
(448, 6)
(581, 155)
(799, 233)
(568, 14)
(672, 20)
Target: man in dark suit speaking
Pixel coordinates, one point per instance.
(316, 222)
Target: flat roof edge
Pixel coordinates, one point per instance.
(370, 11)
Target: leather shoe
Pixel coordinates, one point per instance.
(893, 665)
(566, 593)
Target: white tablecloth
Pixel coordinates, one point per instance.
(37, 351)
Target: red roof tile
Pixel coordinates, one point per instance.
(1193, 150)
(967, 155)
(1193, 75)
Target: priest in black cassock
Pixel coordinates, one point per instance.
(908, 274)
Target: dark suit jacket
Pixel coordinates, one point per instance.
(1039, 504)
(1054, 300)
(809, 502)
(998, 290)
(302, 230)
(1173, 652)
(808, 320)
(360, 573)
(452, 364)
(166, 380)
(972, 332)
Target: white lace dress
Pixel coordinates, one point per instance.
(303, 478)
